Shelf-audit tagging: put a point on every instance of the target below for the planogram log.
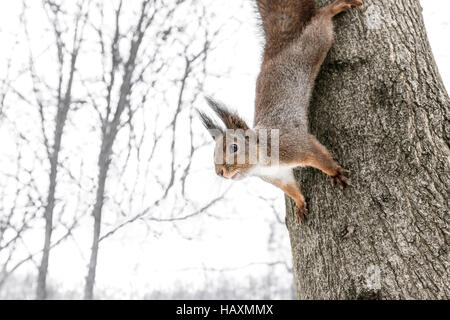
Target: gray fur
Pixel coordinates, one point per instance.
(283, 93)
(287, 82)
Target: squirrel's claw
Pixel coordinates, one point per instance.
(340, 178)
(300, 214)
(348, 4)
(342, 5)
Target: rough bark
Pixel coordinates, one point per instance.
(382, 110)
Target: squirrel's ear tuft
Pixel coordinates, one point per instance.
(229, 118)
(209, 123)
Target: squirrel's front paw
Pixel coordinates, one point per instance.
(300, 213)
(343, 5)
(352, 3)
(355, 3)
(340, 178)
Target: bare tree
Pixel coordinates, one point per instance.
(22, 204)
(66, 55)
(52, 101)
(123, 82)
(132, 86)
(381, 106)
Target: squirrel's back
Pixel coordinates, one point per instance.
(283, 86)
(283, 21)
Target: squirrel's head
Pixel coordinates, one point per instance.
(236, 144)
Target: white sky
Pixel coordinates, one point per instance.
(134, 262)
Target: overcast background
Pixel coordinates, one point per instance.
(205, 238)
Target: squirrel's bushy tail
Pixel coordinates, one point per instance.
(283, 21)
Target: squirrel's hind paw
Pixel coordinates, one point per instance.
(340, 178)
(300, 214)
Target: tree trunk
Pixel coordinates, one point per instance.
(41, 289)
(60, 122)
(382, 110)
(103, 167)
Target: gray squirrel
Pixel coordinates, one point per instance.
(298, 37)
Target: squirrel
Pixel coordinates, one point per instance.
(297, 39)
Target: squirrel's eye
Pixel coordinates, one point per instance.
(233, 148)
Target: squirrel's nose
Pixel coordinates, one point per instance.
(220, 172)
